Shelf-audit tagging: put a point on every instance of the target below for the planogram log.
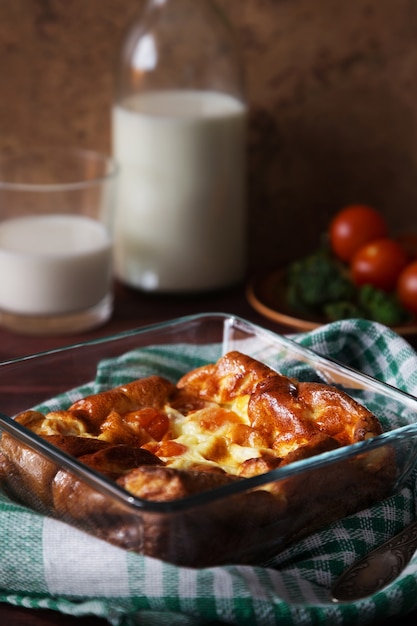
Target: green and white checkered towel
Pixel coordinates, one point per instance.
(47, 564)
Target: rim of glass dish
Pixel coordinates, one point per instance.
(70, 150)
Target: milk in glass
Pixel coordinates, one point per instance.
(53, 264)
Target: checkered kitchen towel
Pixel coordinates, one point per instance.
(47, 564)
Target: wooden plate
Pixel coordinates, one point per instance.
(267, 296)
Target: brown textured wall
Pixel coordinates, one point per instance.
(332, 87)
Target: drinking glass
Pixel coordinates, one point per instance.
(56, 217)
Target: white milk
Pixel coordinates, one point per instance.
(53, 264)
(180, 211)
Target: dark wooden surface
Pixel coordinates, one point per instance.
(134, 309)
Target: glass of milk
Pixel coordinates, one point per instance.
(56, 240)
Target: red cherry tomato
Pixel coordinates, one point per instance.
(353, 227)
(379, 263)
(407, 287)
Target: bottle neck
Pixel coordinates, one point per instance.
(181, 44)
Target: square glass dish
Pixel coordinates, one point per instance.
(246, 521)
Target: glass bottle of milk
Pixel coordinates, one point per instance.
(179, 136)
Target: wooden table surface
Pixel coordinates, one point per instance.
(134, 309)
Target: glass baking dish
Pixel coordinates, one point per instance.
(241, 522)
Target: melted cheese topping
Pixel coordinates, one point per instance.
(210, 437)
